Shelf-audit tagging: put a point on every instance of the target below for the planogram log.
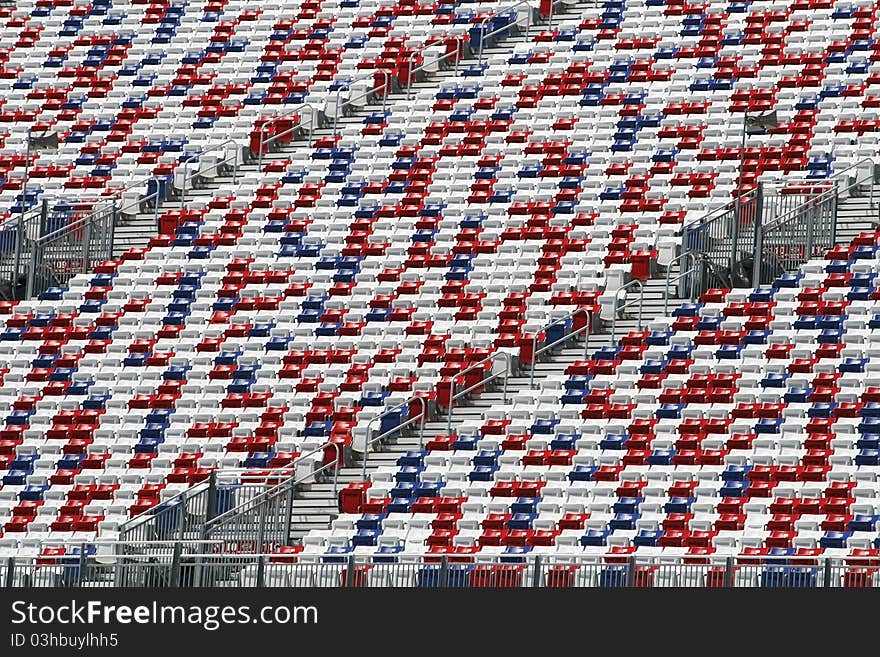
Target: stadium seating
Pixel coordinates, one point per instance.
(301, 300)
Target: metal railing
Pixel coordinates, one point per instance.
(16, 233)
(691, 274)
(219, 166)
(454, 395)
(617, 308)
(505, 28)
(370, 440)
(58, 256)
(809, 229)
(75, 248)
(182, 567)
(263, 521)
(776, 226)
(187, 514)
(366, 95)
(723, 234)
(586, 328)
(426, 65)
(264, 142)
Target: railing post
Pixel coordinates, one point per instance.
(261, 142)
(614, 316)
(181, 519)
(111, 230)
(199, 568)
(631, 572)
(834, 204)
(350, 573)
(422, 421)
(368, 438)
(810, 221)
(117, 565)
(288, 513)
(156, 202)
(759, 236)
(409, 77)
(32, 270)
(443, 579)
(452, 393)
(641, 304)
(44, 216)
(826, 580)
(261, 529)
(536, 574)
(175, 565)
(10, 572)
(86, 244)
(728, 573)
(261, 571)
(336, 109)
(83, 559)
(211, 504)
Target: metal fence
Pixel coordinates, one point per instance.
(725, 236)
(188, 515)
(262, 517)
(807, 230)
(49, 245)
(771, 229)
(55, 257)
(184, 566)
(16, 235)
(250, 507)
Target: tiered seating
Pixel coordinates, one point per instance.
(132, 88)
(296, 304)
(745, 425)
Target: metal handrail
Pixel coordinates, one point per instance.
(708, 218)
(827, 194)
(106, 195)
(265, 141)
(81, 221)
(485, 22)
(386, 85)
(641, 301)
(692, 268)
(290, 482)
(196, 156)
(85, 223)
(585, 328)
(508, 367)
(425, 65)
(203, 485)
(405, 404)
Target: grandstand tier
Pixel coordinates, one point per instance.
(265, 241)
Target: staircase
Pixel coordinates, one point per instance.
(134, 233)
(858, 213)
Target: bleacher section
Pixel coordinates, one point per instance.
(289, 307)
